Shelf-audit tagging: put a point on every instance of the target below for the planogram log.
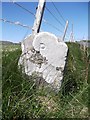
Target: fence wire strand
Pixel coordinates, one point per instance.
(15, 23)
(58, 11)
(54, 17)
(43, 20)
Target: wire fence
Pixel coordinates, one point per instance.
(16, 23)
(49, 23)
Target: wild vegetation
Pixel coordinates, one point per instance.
(23, 99)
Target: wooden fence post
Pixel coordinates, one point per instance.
(65, 30)
(39, 15)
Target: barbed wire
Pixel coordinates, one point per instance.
(54, 17)
(58, 12)
(45, 21)
(22, 7)
(29, 27)
(15, 23)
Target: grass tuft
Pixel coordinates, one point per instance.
(22, 99)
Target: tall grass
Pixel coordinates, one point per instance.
(23, 99)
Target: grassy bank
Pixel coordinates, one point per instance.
(22, 99)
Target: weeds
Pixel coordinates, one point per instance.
(22, 99)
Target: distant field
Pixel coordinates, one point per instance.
(23, 99)
(9, 46)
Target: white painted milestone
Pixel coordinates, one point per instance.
(46, 55)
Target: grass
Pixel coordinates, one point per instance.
(23, 99)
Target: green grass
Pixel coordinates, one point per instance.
(23, 99)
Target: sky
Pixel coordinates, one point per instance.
(75, 12)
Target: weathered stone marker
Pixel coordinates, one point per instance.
(46, 56)
(42, 53)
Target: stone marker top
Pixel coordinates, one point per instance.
(50, 48)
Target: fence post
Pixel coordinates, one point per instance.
(65, 30)
(71, 35)
(39, 15)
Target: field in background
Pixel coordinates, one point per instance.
(23, 99)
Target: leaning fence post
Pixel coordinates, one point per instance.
(71, 35)
(39, 15)
(65, 30)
